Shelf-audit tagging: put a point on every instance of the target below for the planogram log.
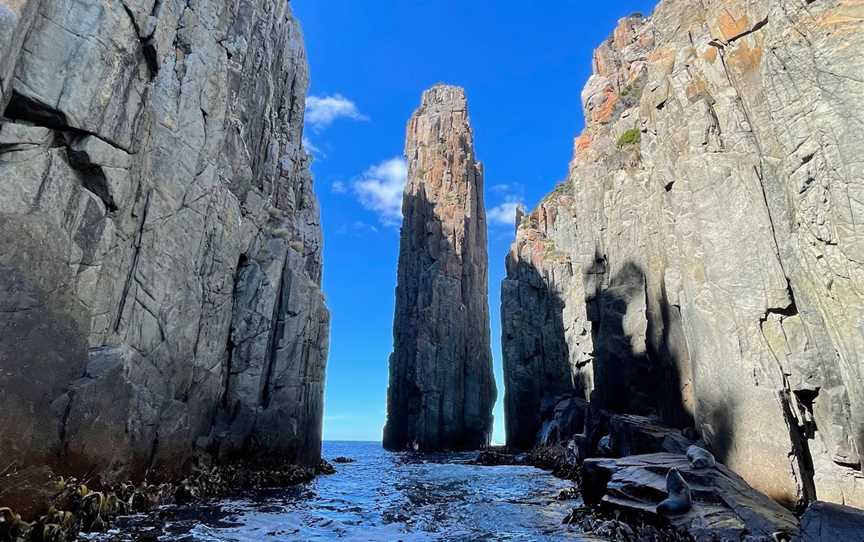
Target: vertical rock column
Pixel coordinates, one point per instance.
(441, 385)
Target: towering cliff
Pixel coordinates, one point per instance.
(704, 260)
(160, 248)
(441, 385)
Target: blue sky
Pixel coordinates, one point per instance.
(523, 69)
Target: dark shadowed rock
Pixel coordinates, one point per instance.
(827, 521)
(441, 385)
(637, 435)
(724, 505)
(343, 459)
(566, 419)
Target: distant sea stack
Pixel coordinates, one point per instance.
(441, 385)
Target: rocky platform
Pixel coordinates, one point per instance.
(725, 507)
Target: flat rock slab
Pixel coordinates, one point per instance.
(634, 435)
(834, 522)
(725, 507)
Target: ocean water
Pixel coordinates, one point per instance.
(382, 496)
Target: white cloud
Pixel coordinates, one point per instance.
(339, 187)
(321, 112)
(312, 149)
(503, 214)
(360, 226)
(380, 189)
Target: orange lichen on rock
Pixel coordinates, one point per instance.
(623, 35)
(729, 27)
(658, 55)
(696, 90)
(601, 67)
(604, 113)
(848, 16)
(745, 59)
(583, 142)
(709, 55)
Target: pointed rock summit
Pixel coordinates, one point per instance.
(441, 385)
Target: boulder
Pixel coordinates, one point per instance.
(637, 435)
(566, 419)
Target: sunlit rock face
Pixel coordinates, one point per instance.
(441, 385)
(704, 260)
(160, 248)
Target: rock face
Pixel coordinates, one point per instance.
(703, 262)
(160, 248)
(441, 385)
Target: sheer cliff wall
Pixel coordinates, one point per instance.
(704, 260)
(160, 247)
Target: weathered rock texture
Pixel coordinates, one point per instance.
(704, 260)
(441, 385)
(160, 249)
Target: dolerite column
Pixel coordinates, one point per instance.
(441, 385)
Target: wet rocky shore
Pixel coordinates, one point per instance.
(65, 508)
(618, 464)
(375, 495)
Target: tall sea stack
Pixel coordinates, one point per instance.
(441, 385)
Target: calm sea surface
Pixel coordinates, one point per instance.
(382, 496)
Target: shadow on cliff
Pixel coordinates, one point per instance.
(640, 360)
(639, 365)
(441, 364)
(537, 366)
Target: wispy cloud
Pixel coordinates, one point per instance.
(503, 214)
(380, 189)
(322, 111)
(312, 149)
(357, 228)
(506, 188)
(339, 187)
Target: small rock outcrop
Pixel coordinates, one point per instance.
(703, 262)
(160, 248)
(441, 385)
